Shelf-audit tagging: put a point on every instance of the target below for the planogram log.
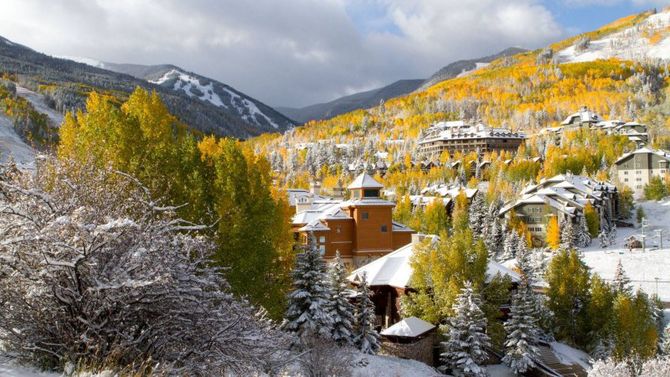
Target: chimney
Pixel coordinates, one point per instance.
(315, 187)
(418, 238)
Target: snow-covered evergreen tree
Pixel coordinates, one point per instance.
(621, 282)
(466, 348)
(477, 215)
(342, 311)
(494, 238)
(510, 245)
(366, 338)
(522, 330)
(308, 313)
(567, 234)
(583, 237)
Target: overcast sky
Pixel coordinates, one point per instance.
(300, 52)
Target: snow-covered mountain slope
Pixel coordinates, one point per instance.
(207, 90)
(648, 39)
(40, 105)
(11, 145)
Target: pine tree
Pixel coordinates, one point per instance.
(583, 236)
(342, 311)
(510, 245)
(466, 348)
(495, 238)
(366, 338)
(524, 260)
(308, 311)
(477, 214)
(522, 331)
(567, 234)
(621, 283)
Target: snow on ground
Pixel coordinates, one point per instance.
(569, 356)
(467, 72)
(387, 366)
(629, 44)
(499, 370)
(9, 369)
(642, 268)
(40, 105)
(12, 145)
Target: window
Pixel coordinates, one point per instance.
(365, 215)
(625, 179)
(322, 239)
(338, 229)
(384, 228)
(322, 249)
(369, 193)
(625, 172)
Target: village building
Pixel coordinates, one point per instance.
(565, 197)
(360, 228)
(582, 118)
(389, 279)
(459, 136)
(635, 169)
(411, 338)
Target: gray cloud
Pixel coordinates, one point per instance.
(290, 52)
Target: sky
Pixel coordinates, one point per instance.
(300, 52)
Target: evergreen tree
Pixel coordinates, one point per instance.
(621, 283)
(510, 245)
(522, 331)
(342, 311)
(308, 311)
(495, 238)
(477, 215)
(583, 236)
(568, 234)
(466, 348)
(366, 338)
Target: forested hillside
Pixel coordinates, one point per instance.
(528, 92)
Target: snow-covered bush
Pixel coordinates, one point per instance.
(95, 272)
(657, 367)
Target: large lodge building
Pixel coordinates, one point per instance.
(461, 137)
(360, 228)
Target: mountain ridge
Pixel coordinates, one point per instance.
(68, 82)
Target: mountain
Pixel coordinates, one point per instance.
(461, 67)
(202, 103)
(362, 100)
(370, 98)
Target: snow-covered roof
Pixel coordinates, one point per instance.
(584, 115)
(314, 226)
(462, 130)
(448, 191)
(395, 269)
(408, 327)
(645, 150)
(365, 181)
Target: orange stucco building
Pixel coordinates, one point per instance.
(361, 228)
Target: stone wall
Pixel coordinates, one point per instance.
(421, 350)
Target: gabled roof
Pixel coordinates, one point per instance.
(584, 115)
(644, 150)
(409, 327)
(314, 226)
(365, 181)
(395, 269)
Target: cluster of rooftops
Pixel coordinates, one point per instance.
(459, 129)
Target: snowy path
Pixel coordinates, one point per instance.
(11, 144)
(38, 102)
(643, 268)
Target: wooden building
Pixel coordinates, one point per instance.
(361, 228)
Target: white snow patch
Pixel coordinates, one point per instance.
(83, 60)
(185, 82)
(478, 65)
(40, 105)
(385, 366)
(629, 44)
(499, 370)
(642, 268)
(569, 356)
(12, 145)
(9, 369)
